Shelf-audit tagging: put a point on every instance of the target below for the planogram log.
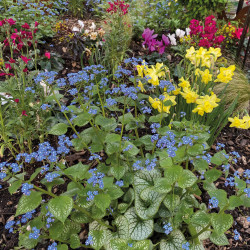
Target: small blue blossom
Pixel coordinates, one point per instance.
(168, 228)
(35, 234)
(130, 244)
(45, 106)
(91, 195)
(93, 111)
(213, 203)
(186, 246)
(31, 89)
(26, 188)
(53, 246)
(236, 235)
(96, 178)
(111, 102)
(247, 191)
(51, 176)
(9, 225)
(127, 148)
(89, 240)
(119, 183)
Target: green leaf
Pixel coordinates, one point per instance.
(80, 217)
(56, 229)
(128, 117)
(122, 225)
(26, 242)
(62, 247)
(99, 238)
(165, 161)
(144, 178)
(122, 244)
(107, 124)
(219, 239)
(138, 229)
(195, 150)
(241, 184)
(200, 164)
(14, 186)
(59, 129)
(78, 171)
(173, 173)
(82, 119)
(157, 118)
(28, 202)
(112, 148)
(174, 241)
(220, 195)
(102, 201)
(147, 202)
(200, 218)
(171, 201)
(212, 175)
(118, 171)
(74, 241)
(234, 201)
(69, 227)
(181, 154)
(219, 158)
(221, 222)
(133, 151)
(187, 179)
(112, 138)
(61, 207)
(115, 192)
(162, 186)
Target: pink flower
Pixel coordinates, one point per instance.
(12, 60)
(36, 23)
(25, 59)
(11, 21)
(7, 66)
(25, 70)
(47, 54)
(16, 100)
(24, 113)
(25, 26)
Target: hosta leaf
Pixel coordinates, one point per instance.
(144, 178)
(187, 179)
(147, 202)
(221, 222)
(174, 241)
(59, 129)
(219, 239)
(61, 207)
(122, 225)
(99, 238)
(138, 229)
(28, 202)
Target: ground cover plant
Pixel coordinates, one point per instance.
(121, 153)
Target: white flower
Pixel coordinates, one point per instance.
(180, 33)
(81, 23)
(172, 39)
(93, 26)
(86, 32)
(188, 31)
(6, 97)
(75, 29)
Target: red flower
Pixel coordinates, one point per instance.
(25, 70)
(36, 23)
(2, 22)
(6, 74)
(25, 26)
(25, 59)
(24, 113)
(11, 21)
(7, 66)
(16, 100)
(47, 54)
(12, 60)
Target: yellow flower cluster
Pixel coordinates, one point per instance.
(153, 73)
(225, 74)
(227, 30)
(186, 39)
(206, 77)
(243, 123)
(206, 104)
(203, 56)
(160, 105)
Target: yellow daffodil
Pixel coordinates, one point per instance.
(215, 53)
(141, 86)
(140, 69)
(160, 69)
(206, 104)
(189, 95)
(206, 77)
(206, 61)
(177, 91)
(225, 74)
(159, 104)
(240, 123)
(155, 102)
(190, 53)
(183, 83)
(152, 74)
